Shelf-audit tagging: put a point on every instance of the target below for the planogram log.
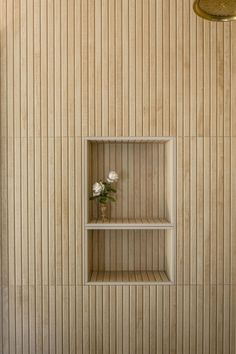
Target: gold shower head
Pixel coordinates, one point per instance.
(216, 10)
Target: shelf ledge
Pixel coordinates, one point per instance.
(117, 224)
(129, 277)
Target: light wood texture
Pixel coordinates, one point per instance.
(129, 251)
(147, 172)
(71, 69)
(124, 223)
(127, 277)
(151, 174)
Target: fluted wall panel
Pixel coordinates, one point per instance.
(76, 68)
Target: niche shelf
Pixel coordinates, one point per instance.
(146, 203)
(130, 256)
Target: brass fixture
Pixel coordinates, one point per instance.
(216, 10)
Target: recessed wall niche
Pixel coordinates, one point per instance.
(146, 203)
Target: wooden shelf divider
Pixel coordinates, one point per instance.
(147, 276)
(128, 224)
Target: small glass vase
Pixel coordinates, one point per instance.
(103, 212)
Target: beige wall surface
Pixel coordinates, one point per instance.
(74, 68)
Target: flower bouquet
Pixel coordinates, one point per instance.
(103, 193)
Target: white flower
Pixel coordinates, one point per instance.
(98, 187)
(112, 177)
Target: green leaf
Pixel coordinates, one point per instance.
(92, 198)
(111, 198)
(103, 200)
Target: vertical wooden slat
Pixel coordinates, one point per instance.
(125, 66)
(200, 76)
(227, 210)
(132, 66)
(146, 319)
(179, 270)
(220, 211)
(206, 314)
(51, 211)
(159, 55)
(200, 314)
(58, 211)
(104, 67)
(179, 319)
(187, 222)
(52, 318)
(64, 210)
(193, 74)
(44, 68)
(193, 318)
(51, 69)
(213, 150)
(16, 68)
(139, 319)
(119, 320)
(71, 15)
(84, 66)
(112, 68)
(17, 211)
(92, 327)
(37, 69)
(206, 62)
(173, 319)
(23, 69)
(112, 322)
(187, 9)
(91, 67)
(166, 67)
(64, 67)
(220, 78)
(59, 318)
(78, 210)
(65, 319)
(118, 67)
(233, 206)
(30, 68)
(24, 215)
(38, 208)
(227, 80)
(146, 68)
(193, 203)
(32, 319)
(9, 68)
(233, 75)
(213, 82)
(207, 210)
(4, 73)
(38, 319)
(166, 319)
(18, 318)
(45, 236)
(200, 210)
(4, 215)
(139, 68)
(45, 320)
(175, 17)
(72, 213)
(79, 319)
(213, 319)
(78, 66)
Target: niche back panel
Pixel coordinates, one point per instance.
(145, 188)
(130, 256)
